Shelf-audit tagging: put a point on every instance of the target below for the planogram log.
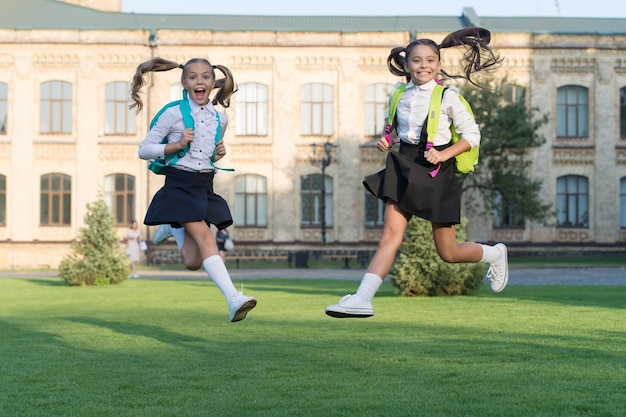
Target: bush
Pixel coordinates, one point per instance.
(419, 271)
(96, 256)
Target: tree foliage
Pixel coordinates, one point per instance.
(509, 133)
(95, 257)
(419, 271)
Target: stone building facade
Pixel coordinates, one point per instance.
(65, 140)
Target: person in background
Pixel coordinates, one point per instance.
(132, 238)
(222, 236)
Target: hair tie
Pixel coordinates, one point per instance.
(181, 66)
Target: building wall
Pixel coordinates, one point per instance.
(283, 61)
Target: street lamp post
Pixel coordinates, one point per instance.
(325, 160)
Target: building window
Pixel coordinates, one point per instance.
(119, 196)
(622, 113)
(56, 107)
(118, 118)
(251, 110)
(312, 197)
(251, 201)
(316, 114)
(374, 210)
(572, 112)
(56, 198)
(572, 201)
(514, 94)
(622, 201)
(3, 108)
(3, 200)
(376, 104)
(176, 91)
(505, 216)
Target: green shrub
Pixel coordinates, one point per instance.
(418, 269)
(96, 257)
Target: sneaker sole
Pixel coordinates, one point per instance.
(243, 310)
(346, 315)
(506, 272)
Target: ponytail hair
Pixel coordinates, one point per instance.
(226, 86)
(478, 55)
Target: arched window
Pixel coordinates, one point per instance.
(374, 211)
(119, 196)
(118, 118)
(317, 200)
(251, 201)
(316, 114)
(572, 201)
(572, 112)
(376, 104)
(251, 102)
(56, 107)
(56, 200)
(504, 214)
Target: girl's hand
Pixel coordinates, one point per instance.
(434, 156)
(220, 151)
(383, 145)
(186, 138)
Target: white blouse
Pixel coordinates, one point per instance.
(413, 109)
(171, 124)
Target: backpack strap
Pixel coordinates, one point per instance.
(393, 107)
(185, 110)
(432, 125)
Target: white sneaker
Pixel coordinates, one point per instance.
(350, 305)
(498, 273)
(239, 305)
(161, 234)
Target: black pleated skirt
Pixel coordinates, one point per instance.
(406, 180)
(187, 197)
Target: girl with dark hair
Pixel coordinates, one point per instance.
(407, 183)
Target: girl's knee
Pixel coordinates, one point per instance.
(192, 266)
(449, 256)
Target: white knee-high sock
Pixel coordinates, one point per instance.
(179, 236)
(214, 266)
(490, 254)
(369, 285)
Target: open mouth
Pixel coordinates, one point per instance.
(199, 92)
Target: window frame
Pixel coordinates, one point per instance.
(114, 195)
(313, 218)
(116, 101)
(56, 107)
(251, 204)
(56, 210)
(252, 105)
(317, 109)
(572, 201)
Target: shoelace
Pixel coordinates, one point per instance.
(493, 272)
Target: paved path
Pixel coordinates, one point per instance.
(517, 276)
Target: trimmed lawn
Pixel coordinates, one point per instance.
(166, 348)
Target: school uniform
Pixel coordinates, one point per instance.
(406, 178)
(188, 194)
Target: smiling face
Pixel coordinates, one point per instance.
(422, 63)
(199, 79)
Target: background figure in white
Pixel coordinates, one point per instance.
(132, 237)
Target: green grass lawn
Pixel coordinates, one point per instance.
(166, 348)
